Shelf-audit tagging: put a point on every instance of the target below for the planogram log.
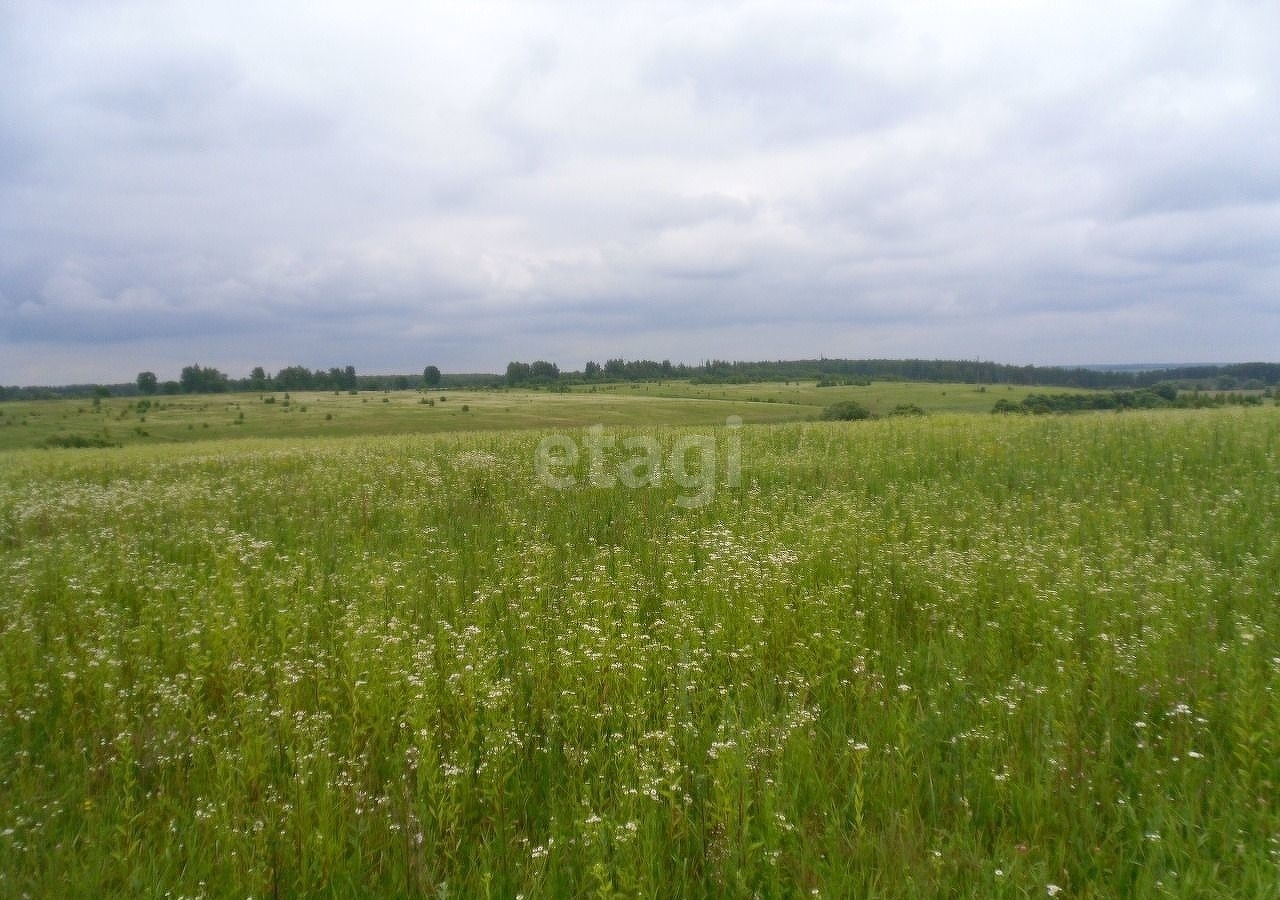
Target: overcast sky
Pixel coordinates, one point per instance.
(389, 185)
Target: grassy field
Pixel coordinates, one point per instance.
(956, 656)
(879, 396)
(181, 419)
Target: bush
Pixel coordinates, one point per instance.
(1044, 404)
(77, 440)
(846, 411)
(906, 409)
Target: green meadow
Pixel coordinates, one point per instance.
(184, 418)
(356, 646)
(807, 399)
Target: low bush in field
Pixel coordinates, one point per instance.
(846, 411)
(906, 409)
(77, 440)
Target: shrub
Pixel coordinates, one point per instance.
(77, 440)
(846, 411)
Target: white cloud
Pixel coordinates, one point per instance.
(468, 183)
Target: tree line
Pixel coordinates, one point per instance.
(197, 379)
(1164, 394)
(1216, 377)
(861, 371)
(540, 373)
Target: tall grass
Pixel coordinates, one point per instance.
(959, 657)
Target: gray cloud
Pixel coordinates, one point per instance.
(398, 184)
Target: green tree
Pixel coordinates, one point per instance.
(517, 372)
(147, 383)
(431, 377)
(197, 379)
(294, 378)
(544, 370)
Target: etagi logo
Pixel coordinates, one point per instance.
(557, 457)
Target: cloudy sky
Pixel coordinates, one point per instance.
(389, 185)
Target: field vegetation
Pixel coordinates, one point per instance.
(131, 421)
(949, 655)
